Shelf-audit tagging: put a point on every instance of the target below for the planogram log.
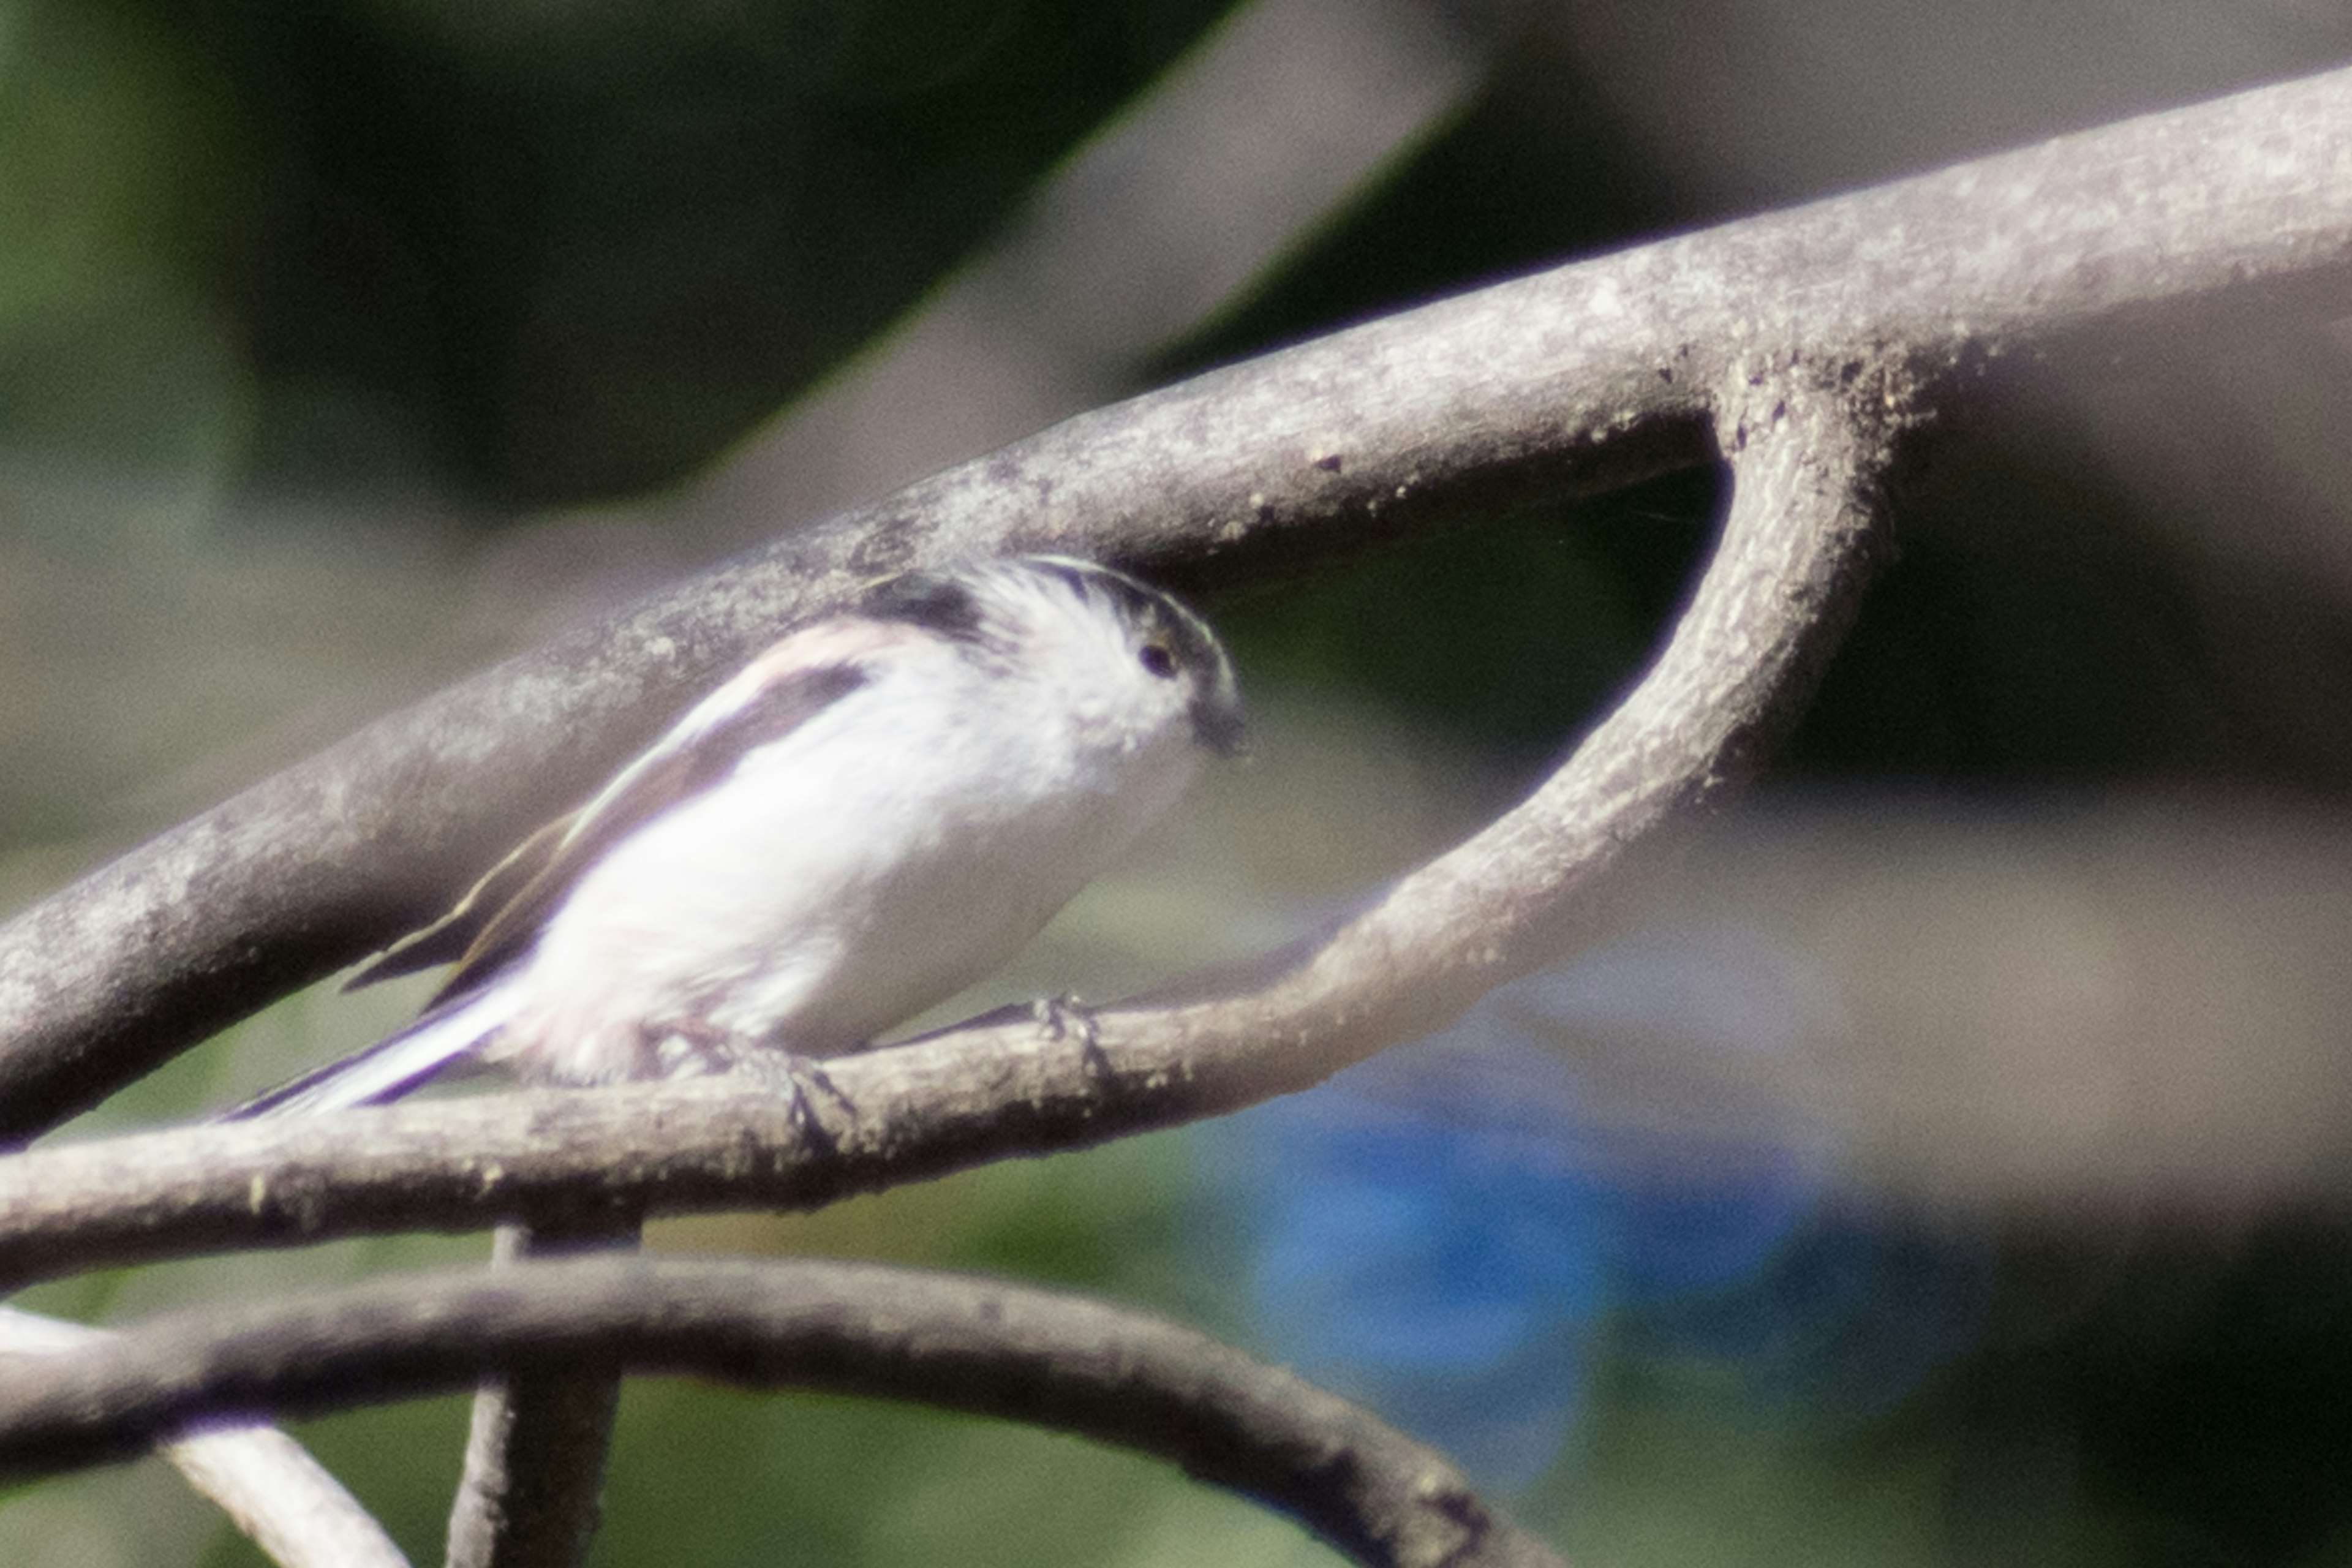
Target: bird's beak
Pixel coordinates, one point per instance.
(1217, 722)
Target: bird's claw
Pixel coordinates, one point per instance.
(800, 1082)
(1063, 1016)
(695, 1050)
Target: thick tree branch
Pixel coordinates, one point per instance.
(1807, 454)
(1569, 378)
(1001, 1349)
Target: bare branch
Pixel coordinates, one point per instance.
(1807, 459)
(273, 1490)
(1014, 1352)
(282, 1498)
(1570, 378)
(532, 1491)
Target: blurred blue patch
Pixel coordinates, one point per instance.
(1645, 1139)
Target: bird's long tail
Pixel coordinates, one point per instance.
(393, 1065)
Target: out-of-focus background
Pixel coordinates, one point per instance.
(1945, 1163)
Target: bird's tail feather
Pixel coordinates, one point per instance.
(393, 1065)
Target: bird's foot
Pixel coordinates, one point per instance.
(1064, 1016)
(695, 1049)
(688, 1047)
(800, 1082)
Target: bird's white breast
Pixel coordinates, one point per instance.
(896, 847)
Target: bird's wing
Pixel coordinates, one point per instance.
(499, 920)
(447, 939)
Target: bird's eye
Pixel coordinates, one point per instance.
(1156, 659)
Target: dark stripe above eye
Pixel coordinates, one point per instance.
(1141, 605)
(926, 599)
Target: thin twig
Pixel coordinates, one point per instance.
(1014, 1352)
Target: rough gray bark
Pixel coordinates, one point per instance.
(1567, 379)
(1053, 1360)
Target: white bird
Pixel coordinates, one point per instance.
(877, 811)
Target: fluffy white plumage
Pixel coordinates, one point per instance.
(877, 811)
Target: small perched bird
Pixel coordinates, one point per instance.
(877, 811)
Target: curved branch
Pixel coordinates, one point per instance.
(1570, 378)
(1807, 453)
(1013, 1352)
(267, 1484)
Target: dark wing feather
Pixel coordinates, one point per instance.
(499, 920)
(447, 939)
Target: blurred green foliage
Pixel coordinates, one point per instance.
(117, 166)
(1509, 642)
(546, 252)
